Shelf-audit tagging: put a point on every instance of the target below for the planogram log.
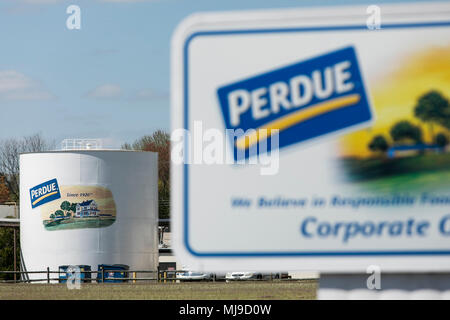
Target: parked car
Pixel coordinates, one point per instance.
(250, 275)
(194, 276)
(243, 275)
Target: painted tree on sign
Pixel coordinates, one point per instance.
(433, 108)
(405, 131)
(378, 144)
(441, 140)
(65, 205)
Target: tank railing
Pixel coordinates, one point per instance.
(99, 276)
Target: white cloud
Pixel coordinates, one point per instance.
(105, 91)
(148, 94)
(15, 85)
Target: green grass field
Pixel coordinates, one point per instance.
(410, 182)
(250, 290)
(427, 172)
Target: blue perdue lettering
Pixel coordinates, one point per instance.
(44, 192)
(304, 100)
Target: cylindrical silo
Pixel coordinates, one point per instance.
(88, 208)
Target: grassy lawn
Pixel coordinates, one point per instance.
(424, 181)
(251, 290)
(427, 172)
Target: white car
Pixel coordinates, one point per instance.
(249, 275)
(241, 275)
(194, 276)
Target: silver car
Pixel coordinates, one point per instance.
(250, 275)
(193, 276)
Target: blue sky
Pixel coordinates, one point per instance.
(108, 80)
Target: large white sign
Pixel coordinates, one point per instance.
(312, 139)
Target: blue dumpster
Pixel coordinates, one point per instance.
(112, 273)
(85, 273)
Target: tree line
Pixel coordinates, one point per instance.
(66, 210)
(432, 108)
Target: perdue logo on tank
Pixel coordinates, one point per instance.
(304, 100)
(44, 192)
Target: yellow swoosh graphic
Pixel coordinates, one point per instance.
(287, 121)
(43, 197)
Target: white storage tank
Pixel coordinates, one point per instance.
(88, 208)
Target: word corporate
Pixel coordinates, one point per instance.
(311, 227)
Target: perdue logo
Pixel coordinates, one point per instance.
(304, 100)
(44, 192)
